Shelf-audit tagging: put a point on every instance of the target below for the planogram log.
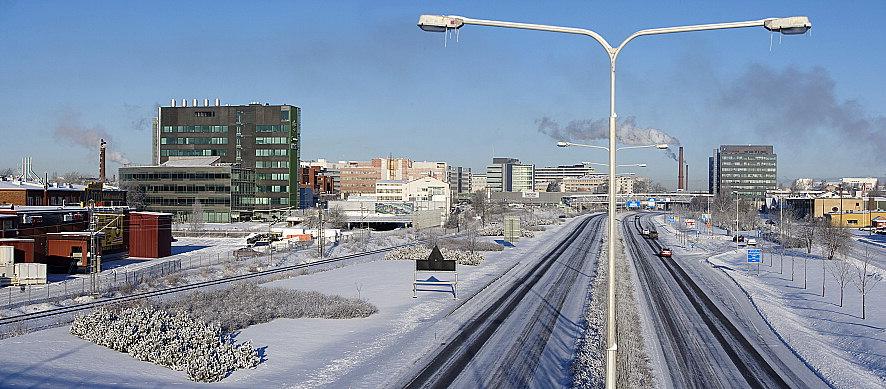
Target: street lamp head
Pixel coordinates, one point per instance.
(439, 23)
(793, 25)
(662, 146)
(641, 165)
(562, 144)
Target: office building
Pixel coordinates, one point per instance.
(261, 138)
(549, 177)
(359, 177)
(597, 183)
(748, 170)
(225, 191)
(459, 179)
(509, 175)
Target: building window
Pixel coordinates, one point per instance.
(284, 115)
(204, 114)
(271, 128)
(271, 152)
(272, 140)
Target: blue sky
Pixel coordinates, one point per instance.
(370, 83)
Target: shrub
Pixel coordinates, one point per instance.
(413, 253)
(175, 339)
(246, 304)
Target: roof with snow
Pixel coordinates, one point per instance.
(190, 161)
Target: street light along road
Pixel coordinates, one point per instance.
(441, 23)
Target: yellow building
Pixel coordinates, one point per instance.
(854, 219)
(824, 206)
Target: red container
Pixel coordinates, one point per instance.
(150, 234)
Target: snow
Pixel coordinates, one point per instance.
(842, 348)
(366, 352)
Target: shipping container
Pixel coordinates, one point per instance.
(30, 274)
(150, 234)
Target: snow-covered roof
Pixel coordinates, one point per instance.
(24, 185)
(190, 161)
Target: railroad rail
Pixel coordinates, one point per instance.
(182, 288)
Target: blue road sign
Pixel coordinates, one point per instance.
(632, 204)
(755, 256)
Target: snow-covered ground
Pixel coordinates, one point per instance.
(844, 349)
(369, 352)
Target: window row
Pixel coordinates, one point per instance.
(271, 152)
(193, 153)
(272, 188)
(271, 140)
(271, 201)
(272, 176)
(193, 141)
(272, 164)
(271, 128)
(173, 176)
(195, 128)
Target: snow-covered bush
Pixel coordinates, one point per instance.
(246, 304)
(468, 244)
(413, 253)
(491, 230)
(174, 339)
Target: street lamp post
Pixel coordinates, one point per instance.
(441, 23)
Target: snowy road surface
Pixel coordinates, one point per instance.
(522, 333)
(702, 343)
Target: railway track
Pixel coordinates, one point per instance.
(756, 369)
(6, 321)
(451, 360)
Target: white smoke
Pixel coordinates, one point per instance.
(627, 132)
(71, 131)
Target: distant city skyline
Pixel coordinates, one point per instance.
(371, 84)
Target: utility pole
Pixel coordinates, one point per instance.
(93, 259)
(736, 217)
(321, 242)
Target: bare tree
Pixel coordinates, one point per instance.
(807, 232)
(336, 217)
(311, 218)
(136, 196)
(865, 279)
(196, 218)
(7, 172)
(74, 177)
(832, 239)
(841, 270)
(479, 204)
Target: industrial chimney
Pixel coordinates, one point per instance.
(101, 161)
(680, 173)
(686, 178)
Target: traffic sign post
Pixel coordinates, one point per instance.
(755, 256)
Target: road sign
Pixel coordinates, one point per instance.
(755, 256)
(632, 204)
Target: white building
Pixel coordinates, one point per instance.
(555, 174)
(478, 182)
(596, 183)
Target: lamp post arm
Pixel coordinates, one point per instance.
(540, 27)
(696, 27)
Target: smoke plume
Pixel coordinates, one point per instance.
(627, 132)
(70, 131)
(797, 105)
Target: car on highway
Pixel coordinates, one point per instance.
(645, 232)
(752, 242)
(665, 252)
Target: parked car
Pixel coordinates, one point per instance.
(752, 242)
(665, 252)
(738, 238)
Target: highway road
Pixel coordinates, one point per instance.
(703, 345)
(525, 335)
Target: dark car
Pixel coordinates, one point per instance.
(738, 238)
(665, 252)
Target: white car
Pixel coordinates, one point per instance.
(752, 242)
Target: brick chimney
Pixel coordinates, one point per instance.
(680, 173)
(101, 162)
